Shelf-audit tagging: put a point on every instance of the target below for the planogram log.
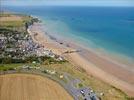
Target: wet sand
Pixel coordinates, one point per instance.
(94, 64)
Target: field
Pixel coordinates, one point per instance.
(30, 87)
(13, 21)
(5, 67)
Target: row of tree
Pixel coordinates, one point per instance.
(31, 59)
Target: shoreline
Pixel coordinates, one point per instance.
(92, 63)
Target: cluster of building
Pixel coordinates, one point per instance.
(20, 45)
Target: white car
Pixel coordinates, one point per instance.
(82, 92)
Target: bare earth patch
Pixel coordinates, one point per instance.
(30, 87)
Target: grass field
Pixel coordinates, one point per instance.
(5, 67)
(30, 87)
(110, 92)
(11, 21)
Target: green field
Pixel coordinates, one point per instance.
(14, 24)
(5, 67)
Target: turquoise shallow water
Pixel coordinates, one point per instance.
(109, 28)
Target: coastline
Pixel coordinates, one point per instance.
(94, 65)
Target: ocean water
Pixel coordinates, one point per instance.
(107, 28)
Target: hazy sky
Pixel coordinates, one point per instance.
(70, 2)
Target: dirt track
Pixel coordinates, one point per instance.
(30, 87)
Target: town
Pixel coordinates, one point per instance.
(16, 47)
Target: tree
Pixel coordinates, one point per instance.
(7, 60)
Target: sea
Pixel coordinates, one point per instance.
(105, 29)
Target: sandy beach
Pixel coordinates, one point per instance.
(94, 64)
